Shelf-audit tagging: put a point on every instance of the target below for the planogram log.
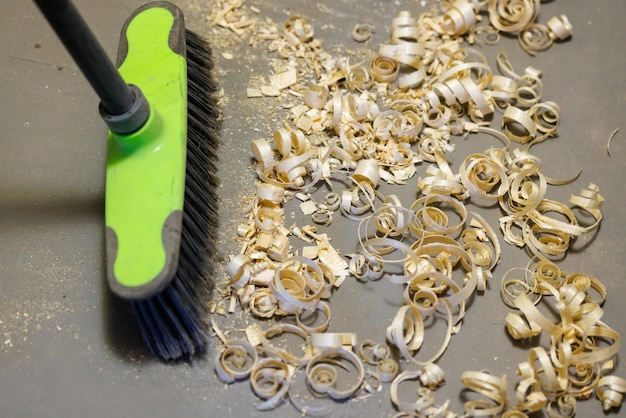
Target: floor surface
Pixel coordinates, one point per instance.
(69, 349)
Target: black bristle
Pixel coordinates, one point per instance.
(174, 323)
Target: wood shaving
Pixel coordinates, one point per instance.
(377, 119)
(608, 144)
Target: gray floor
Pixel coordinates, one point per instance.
(65, 349)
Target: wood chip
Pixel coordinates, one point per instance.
(271, 91)
(252, 92)
(308, 207)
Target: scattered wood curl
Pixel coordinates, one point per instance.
(372, 353)
(235, 361)
(359, 78)
(424, 402)
(270, 382)
(297, 29)
(322, 375)
(611, 391)
(459, 18)
(385, 69)
(388, 370)
(535, 38)
(283, 353)
(316, 96)
(432, 376)
(512, 15)
(362, 32)
(491, 389)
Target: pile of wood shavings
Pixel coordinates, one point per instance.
(377, 122)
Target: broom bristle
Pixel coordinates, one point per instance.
(174, 322)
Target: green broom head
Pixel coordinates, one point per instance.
(160, 199)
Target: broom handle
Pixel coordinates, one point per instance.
(115, 95)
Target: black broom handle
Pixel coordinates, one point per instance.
(115, 95)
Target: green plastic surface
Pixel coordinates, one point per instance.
(146, 170)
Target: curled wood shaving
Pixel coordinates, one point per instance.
(385, 69)
(409, 339)
(491, 389)
(270, 382)
(281, 352)
(424, 405)
(298, 400)
(459, 18)
(322, 307)
(512, 15)
(321, 373)
(235, 361)
(484, 177)
(538, 37)
(432, 376)
(426, 399)
(388, 369)
(608, 144)
(372, 353)
(611, 391)
(297, 284)
(327, 340)
(563, 407)
(362, 33)
(297, 29)
(535, 38)
(316, 96)
(560, 26)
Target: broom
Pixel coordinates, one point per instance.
(161, 187)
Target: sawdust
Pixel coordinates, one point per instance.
(25, 318)
(39, 310)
